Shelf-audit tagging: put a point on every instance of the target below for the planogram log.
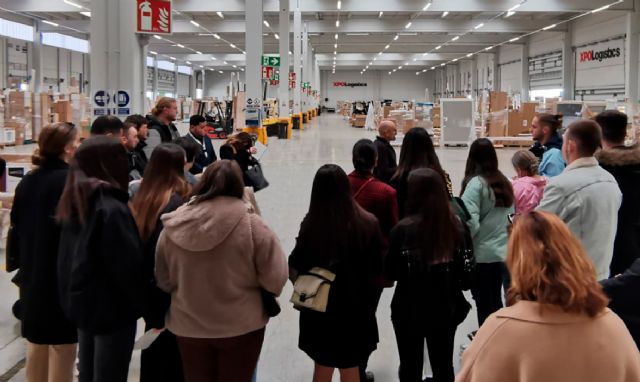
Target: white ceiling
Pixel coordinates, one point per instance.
(362, 34)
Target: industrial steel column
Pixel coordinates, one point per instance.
(297, 56)
(283, 88)
(474, 77)
(524, 94)
(117, 52)
(36, 58)
(305, 65)
(155, 78)
(253, 44)
(632, 57)
(568, 64)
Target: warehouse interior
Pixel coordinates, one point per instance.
(308, 78)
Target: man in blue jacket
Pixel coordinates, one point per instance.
(197, 132)
(548, 146)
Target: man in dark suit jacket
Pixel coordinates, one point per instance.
(197, 126)
(387, 161)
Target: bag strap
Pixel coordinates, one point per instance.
(355, 196)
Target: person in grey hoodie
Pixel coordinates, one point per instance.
(216, 258)
(585, 196)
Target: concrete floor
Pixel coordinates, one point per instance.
(290, 166)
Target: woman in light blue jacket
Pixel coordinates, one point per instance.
(488, 196)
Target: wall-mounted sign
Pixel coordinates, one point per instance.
(270, 60)
(339, 84)
(154, 16)
(105, 104)
(600, 66)
(292, 84)
(252, 112)
(292, 76)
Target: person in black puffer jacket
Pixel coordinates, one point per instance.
(100, 260)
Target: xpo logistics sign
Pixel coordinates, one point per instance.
(154, 16)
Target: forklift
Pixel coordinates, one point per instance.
(219, 121)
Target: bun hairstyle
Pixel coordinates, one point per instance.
(52, 141)
(552, 121)
(163, 103)
(525, 160)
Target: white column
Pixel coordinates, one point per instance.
(175, 83)
(316, 80)
(297, 54)
(305, 64)
(524, 93)
(474, 77)
(253, 46)
(155, 78)
(283, 88)
(568, 64)
(632, 56)
(36, 57)
(117, 52)
(203, 77)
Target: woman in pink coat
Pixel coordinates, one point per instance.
(528, 185)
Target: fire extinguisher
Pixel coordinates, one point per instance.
(146, 16)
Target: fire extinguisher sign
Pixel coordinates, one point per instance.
(154, 16)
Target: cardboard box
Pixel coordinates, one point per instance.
(498, 101)
(386, 110)
(359, 120)
(435, 116)
(64, 110)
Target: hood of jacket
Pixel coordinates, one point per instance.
(554, 142)
(538, 182)
(203, 226)
(619, 156)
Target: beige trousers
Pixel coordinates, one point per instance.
(50, 363)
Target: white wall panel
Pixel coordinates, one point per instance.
(509, 53)
(595, 71)
(183, 85)
(545, 42)
(50, 67)
(511, 77)
(400, 86)
(598, 27)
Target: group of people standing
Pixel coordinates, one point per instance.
(192, 256)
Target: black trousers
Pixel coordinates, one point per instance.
(363, 365)
(487, 291)
(162, 361)
(410, 338)
(105, 357)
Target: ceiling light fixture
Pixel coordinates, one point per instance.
(443, 64)
(455, 38)
(488, 48)
(335, 46)
(386, 47)
(180, 46)
(469, 55)
(424, 54)
(173, 58)
(336, 36)
(233, 46)
(514, 39)
(152, 52)
(479, 26)
(224, 62)
(426, 7)
(549, 27)
(445, 14)
(216, 36)
(50, 23)
(235, 66)
(335, 52)
(454, 60)
(380, 14)
(399, 67)
(157, 37)
(73, 4)
(266, 24)
(198, 52)
(276, 36)
(86, 13)
(189, 62)
(220, 14)
(337, 23)
(213, 58)
(509, 14)
(433, 68)
(396, 38)
(408, 25)
(339, 4)
(601, 9)
(195, 24)
(221, 72)
(438, 47)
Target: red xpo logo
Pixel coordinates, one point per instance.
(590, 55)
(154, 16)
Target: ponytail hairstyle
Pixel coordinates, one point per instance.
(52, 142)
(162, 104)
(552, 121)
(525, 160)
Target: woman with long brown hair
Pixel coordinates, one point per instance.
(558, 327)
(426, 251)
(100, 260)
(51, 337)
(488, 196)
(163, 190)
(240, 147)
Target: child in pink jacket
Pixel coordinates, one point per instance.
(528, 185)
